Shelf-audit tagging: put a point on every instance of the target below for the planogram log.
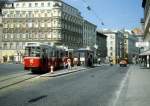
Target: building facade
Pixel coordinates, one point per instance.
(146, 27)
(39, 21)
(138, 33)
(89, 34)
(115, 45)
(1, 32)
(101, 41)
(119, 46)
(2, 4)
(130, 49)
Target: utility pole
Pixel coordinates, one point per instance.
(120, 49)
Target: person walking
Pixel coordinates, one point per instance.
(99, 60)
(69, 63)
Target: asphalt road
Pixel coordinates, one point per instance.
(94, 87)
(8, 69)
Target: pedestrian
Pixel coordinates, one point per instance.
(99, 60)
(65, 62)
(69, 63)
(75, 61)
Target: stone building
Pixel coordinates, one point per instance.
(130, 49)
(89, 34)
(39, 21)
(1, 32)
(115, 45)
(146, 26)
(101, 41)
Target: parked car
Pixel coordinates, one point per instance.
(123, 63)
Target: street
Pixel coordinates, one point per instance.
(91, 87)
(8, 69)
(74, 53)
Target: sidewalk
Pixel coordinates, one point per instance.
(136, 91)
(66, 71)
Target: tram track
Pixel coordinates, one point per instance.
(8, 77)
(11, 80)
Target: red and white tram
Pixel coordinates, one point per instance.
(41, 57)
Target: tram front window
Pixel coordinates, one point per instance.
(32, 51)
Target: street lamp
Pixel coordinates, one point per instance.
(121, 49)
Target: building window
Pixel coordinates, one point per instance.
(48, 4)
(37, 35)
(11, 45)
(23, 44)
(42, 24)
(42, 4)
(5, 36)
(43, 35)
(11, 36)
(42, 14)
(17, 45)
(5, 46)
(111, 54)
(23, 35)
(48, 24)
(30, 14)
(23, 4)
(48, 14)
(30, 5)
(17, 5)
(29, 23)
(49, 35)
(111, 42)
(36, 4)
(18, 36)
(111, 48)
(36, 25)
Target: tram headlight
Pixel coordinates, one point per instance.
(31, 61)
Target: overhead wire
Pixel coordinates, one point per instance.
(90, 9)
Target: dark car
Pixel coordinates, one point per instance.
(123, 63)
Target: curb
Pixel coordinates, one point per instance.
(64, 73)
(67, 72)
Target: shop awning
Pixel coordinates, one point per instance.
(145, 53)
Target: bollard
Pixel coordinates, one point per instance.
(52, 69)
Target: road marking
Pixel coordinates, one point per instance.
(122, 85)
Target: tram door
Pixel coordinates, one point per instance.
(44, 59)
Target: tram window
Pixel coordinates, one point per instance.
(27, 51)
(44, 53)
(37, 51)
(56, 53)
(50, 52)
(53, 53)
(61, 54)
(82, 54)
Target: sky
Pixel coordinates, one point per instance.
(115, 14)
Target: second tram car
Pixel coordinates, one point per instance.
(40, 57)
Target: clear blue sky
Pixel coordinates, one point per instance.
(116, 14)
